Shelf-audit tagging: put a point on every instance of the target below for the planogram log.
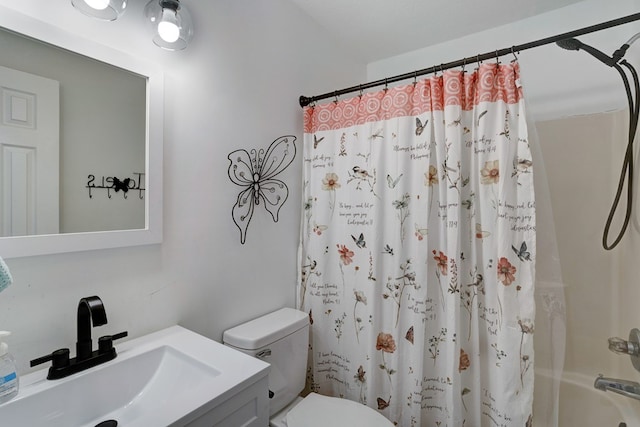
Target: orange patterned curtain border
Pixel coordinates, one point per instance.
(490, 83)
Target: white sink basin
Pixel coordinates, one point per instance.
(169, 378)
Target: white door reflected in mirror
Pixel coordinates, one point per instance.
(29, 153)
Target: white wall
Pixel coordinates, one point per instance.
(557, 82)
(236, 86)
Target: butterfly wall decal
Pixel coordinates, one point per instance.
(255, 170)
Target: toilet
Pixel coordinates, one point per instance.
(281, 338)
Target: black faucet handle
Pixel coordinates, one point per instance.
(59, 359)
(119, 335)
(105, 343)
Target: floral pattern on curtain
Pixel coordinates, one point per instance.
(416, 256)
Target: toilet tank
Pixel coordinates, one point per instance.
(280, 338)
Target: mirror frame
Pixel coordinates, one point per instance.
(22, 246)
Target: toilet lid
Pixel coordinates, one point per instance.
(316, 410)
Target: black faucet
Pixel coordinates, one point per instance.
(90, 311)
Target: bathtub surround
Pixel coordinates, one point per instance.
(418, 249)
(551, 325)
(597, 281)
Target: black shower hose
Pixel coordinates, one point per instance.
(627, 165)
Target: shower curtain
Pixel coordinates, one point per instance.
(417, 250)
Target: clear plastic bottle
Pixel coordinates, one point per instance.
(9, 383)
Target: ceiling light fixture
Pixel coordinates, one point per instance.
(171, 23)
(107, 10)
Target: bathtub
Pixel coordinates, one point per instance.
(581, 405)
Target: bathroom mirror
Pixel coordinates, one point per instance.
(104, 181)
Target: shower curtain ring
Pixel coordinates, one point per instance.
(442, 69)
(360, 87)
(335, 94)
(464, 63)
(386, 84)
(415, 77)
(515, 58)
(478, 60)
(497, 58)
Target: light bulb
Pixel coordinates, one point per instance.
(168, 26)
(97, 4)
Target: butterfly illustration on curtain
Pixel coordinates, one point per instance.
(255, 170)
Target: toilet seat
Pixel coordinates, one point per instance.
(316, 410)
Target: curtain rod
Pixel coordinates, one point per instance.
(304, 100)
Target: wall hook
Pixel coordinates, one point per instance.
(113, 183)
